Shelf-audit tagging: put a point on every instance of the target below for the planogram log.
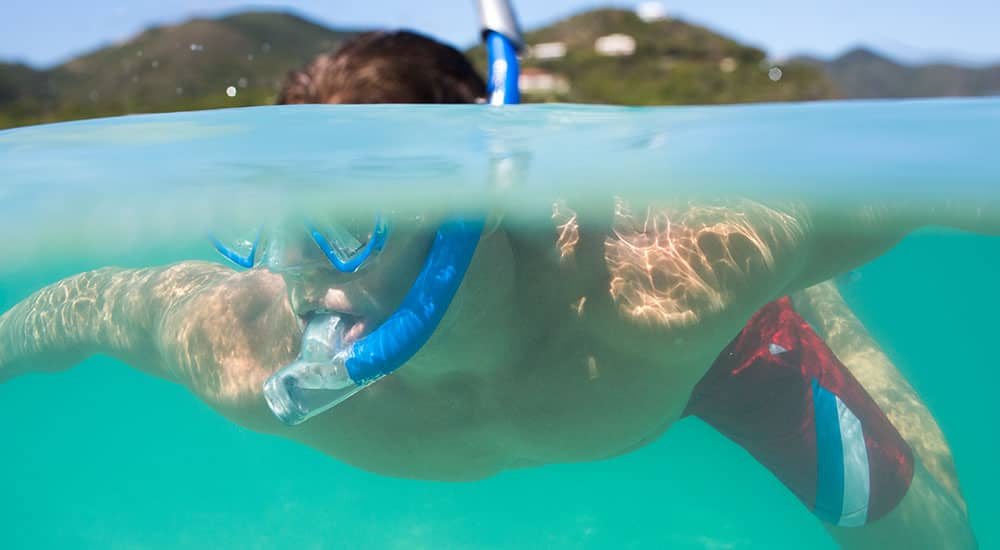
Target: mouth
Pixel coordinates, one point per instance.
(355, 326)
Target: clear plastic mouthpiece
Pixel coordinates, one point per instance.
(318, 379)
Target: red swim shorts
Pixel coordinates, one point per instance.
(780, 392)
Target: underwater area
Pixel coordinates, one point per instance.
(103, 456)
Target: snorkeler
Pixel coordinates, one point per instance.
(577, 342)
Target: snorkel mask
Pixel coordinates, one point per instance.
(345, 246)
(327, 372)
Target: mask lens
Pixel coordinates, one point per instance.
(347, 243)
(346, 239)
(292, 252)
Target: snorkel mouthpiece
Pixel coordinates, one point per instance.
(318, 379)
(327, 372)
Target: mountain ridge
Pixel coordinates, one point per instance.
(192, 64)
(863, 73)
(185, 66)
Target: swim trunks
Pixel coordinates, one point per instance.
(781, 393)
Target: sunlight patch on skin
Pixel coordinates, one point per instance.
(672, 266)
(201, 314)
(58, 324)
(568, 227)
(218, 356)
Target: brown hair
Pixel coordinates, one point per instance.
(386, 67)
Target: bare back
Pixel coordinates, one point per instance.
(613, 320)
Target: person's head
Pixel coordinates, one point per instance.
(386, 67)
(376, 67)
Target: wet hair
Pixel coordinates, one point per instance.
(386, 67)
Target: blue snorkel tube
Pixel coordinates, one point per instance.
(503, 39)
(325, 372)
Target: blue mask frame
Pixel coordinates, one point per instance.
(374, 245)
(344, 265)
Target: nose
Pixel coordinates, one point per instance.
(306, 290)
(322, 289)
(301, 297)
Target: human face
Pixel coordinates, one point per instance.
(365, 297)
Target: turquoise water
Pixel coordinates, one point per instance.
(104, 457)
(244, 165)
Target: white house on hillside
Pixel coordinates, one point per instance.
(548, 50)
(537, 81)
(615, 44)
(651, 11)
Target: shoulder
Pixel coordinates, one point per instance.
(681, 264)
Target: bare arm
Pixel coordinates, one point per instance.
(111, 310)
(701, 262)
(710, 266)
(844, 236)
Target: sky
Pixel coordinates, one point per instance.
(47, 32)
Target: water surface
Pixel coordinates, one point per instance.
(105, 457)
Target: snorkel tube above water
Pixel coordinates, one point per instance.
(326, 373)
(503, 39)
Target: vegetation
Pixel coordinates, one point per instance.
(674, 63)
(190, 66)
(175, 68)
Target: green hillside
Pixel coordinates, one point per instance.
(190, 66)
(171, 68)
(674, 63)
(23, 93)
